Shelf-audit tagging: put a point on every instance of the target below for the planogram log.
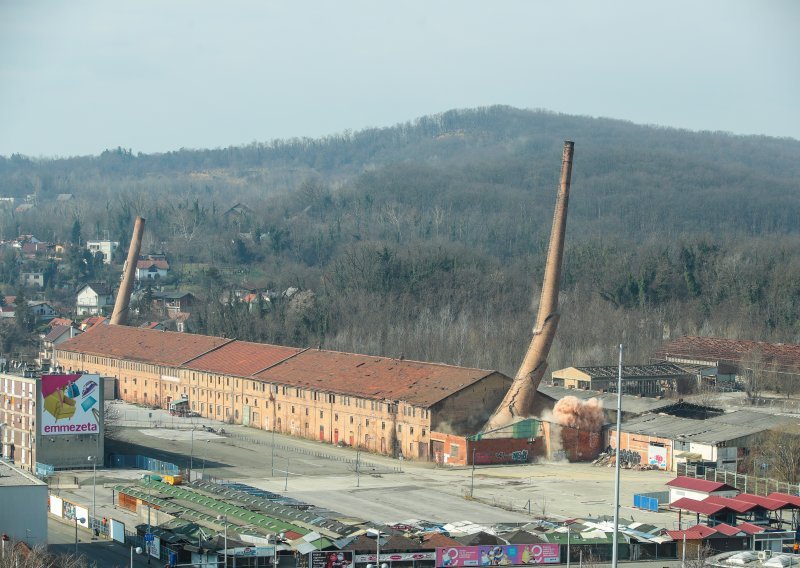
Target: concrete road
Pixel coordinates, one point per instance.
(103, 553)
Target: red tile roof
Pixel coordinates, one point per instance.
(372, 377)
(241, 358)
(137, 344)
(727, 530)
(694, 484)
(145, 264)
(789, 499)
(732, 504)
(697, 532)
(750, 528)
(695, 506)
(768, 503)
(59, 321)
(781, 355)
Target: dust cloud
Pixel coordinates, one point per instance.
(573, 412)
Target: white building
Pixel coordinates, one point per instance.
(106, 247)
(93, 299)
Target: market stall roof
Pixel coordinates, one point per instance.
(695, 506)
(768, 503)
(695, 484)
(793, 499)
(740, 507)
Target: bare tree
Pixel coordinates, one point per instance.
(18, 555)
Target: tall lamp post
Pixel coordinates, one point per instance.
(472, 481)
(378, 554)
(278, 538)
(93, 459)
(203, 474)
(224, 518)
(191, 455)
(77, 520)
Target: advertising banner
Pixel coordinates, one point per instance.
(515, 554)
(657, 456)
(70, 404)
(337, 559)
(117, 531)
(56, 506)
(396, 556)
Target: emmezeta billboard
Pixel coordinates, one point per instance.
(70, 404)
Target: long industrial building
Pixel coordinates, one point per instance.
(386, 405)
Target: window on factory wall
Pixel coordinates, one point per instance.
(255, 417)
(411, 430)
(284, 390)
(367, 422)
(237, 414)
(399, 427)
(383, 425)
(332, 398)
(336, 417)
(351, 420)
(321, 415)
(293, 410)
(306, 411)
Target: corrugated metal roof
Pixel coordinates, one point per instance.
(711, 431)
(633, 371)
(630, 404)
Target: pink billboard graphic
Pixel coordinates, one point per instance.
(515, 554)
(457, 556)
(70, 404)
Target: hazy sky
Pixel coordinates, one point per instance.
(77, 77)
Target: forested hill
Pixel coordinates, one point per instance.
(428, 238)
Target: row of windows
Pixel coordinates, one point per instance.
(408, 410)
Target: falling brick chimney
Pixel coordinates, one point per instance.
(518, 402)
(120, 314)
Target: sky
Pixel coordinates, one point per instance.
(81, 76)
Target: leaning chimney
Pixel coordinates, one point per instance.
(518, 402)
(120, 314)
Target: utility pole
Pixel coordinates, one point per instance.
(472, 482)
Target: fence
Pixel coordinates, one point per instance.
(745, 483)
(142, 462)
(650, 501)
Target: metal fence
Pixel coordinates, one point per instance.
(139, 461)
(746, 483)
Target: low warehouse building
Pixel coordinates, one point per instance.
(23, 515)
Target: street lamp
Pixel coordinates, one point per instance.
(378, 554)
(278, 537)
(191, 455)
(93, 459)
(472, 482)
(138, 550)
(77, 520)
(224, 518)
(203, 474)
